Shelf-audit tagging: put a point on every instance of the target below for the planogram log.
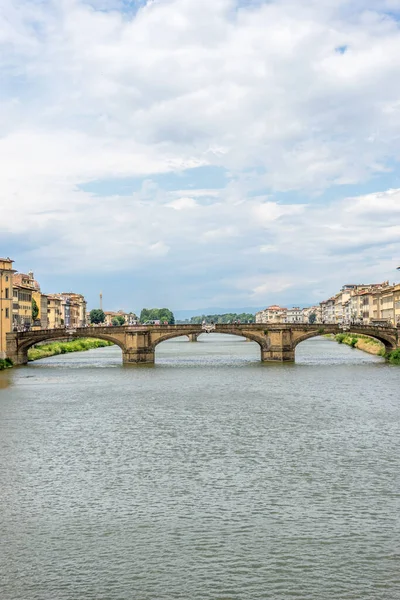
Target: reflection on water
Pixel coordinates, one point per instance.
(209, 476)
(5, 379)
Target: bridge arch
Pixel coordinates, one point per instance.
(19, 344)
(24, 347)
(387, 339)
(261, 341)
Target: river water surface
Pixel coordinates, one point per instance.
(207, 477)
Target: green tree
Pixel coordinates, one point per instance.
(97, 316)
(118, 320)
(312, 318)
(144, 315)
(157, 314)
(35, 310)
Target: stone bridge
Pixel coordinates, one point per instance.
(277, 341)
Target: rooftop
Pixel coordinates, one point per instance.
(27, 280)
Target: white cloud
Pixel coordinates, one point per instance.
(159, 249)
(183, 204)
(260, 87)
(259, 91)
(271, 211)
(220, 233)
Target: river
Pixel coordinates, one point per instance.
(209, 476)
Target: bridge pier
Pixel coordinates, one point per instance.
(277, 346)
(277, 355)
(17, 355)
(142, 356)
(193, 337)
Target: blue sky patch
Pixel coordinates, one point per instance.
(208, 177)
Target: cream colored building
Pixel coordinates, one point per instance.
(74, 309)
(396, 302)
(294, 315)
(354, 308)
(6, 301)
(359, 302)
(341, 303)
(327, 310)
(272, 314)
(67, 310)
(310, 310)
(386, 304)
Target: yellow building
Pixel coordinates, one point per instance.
(129, 318)
(41, 302)
(110, 315)
(25, 288)
(22, 307)
(54, 311)
(6, 301)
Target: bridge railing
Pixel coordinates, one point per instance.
(90, 330)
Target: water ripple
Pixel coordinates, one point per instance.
(207, 477)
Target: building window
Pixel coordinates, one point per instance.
(6, 277)
(7, 313)
(7, 292)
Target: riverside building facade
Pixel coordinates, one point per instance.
(25, 290)
(354, 303)
(6, 301)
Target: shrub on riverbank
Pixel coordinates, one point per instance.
(361, 342)
(5, 363)
(394, 357)
(81, 345)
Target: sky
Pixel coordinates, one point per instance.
(193, 154)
